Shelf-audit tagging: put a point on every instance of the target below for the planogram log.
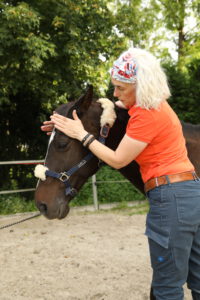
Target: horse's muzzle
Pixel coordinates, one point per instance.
(58, 212)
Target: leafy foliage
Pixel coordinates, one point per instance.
(15, 204)
(49, 50)
(185, 88)
(111, 187)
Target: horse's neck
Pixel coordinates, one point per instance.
(119, 128)
(131, 171)
(192, 136)
(191, 132)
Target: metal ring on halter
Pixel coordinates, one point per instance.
(63, 177)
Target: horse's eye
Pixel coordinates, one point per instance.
(62, 145)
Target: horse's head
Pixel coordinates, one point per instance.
(68, 164)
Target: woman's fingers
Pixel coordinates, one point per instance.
(74, 114)
(48, 122)
(47, 127)
(71, 127)
(49, 132)
(57, 119)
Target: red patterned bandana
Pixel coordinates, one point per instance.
(125, 68)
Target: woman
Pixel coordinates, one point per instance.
(155, 140)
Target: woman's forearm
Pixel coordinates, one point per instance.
(105, 154)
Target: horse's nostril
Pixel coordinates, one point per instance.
(43, 208)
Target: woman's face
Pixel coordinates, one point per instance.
(125, 92)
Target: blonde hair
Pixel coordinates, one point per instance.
(151, 81)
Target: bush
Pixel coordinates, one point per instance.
(10, 204)
(111, 187)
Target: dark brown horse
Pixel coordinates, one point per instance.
(71, 164)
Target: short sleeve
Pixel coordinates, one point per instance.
(142, 126)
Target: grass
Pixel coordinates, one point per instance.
(127, 208)
(139, 208)
(18, 204)
(124, 208)
(15, 204)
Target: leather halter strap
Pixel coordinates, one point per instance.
(65, 176)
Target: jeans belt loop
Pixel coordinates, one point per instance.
(196, 178)
(156, 179)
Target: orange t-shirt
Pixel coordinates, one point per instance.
(166, 152)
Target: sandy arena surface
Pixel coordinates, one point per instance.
(96, 256)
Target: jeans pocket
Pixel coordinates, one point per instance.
(162, 259)
(188, 208)
(157, 229)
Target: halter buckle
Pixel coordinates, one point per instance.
(63, 177)
(71, 191)
(105, 131)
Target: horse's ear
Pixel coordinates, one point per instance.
(83, 103)
(85, 100)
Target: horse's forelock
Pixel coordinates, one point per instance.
(108, 115)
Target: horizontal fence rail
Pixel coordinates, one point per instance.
(22, 162)
(17, 191)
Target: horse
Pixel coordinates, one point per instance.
(68, 164)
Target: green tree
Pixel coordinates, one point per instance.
(49, 50)
(155, 24)
(179, 21)
(185, 93)
(135, 22)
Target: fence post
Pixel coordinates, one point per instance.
(94, 190)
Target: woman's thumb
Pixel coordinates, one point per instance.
(74, 114)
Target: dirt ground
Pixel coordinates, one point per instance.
(95, 256)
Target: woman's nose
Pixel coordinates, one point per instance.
(116, 93)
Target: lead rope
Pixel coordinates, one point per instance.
(20, 221)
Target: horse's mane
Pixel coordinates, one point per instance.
(122, 114)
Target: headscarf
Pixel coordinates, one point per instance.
(125, 68)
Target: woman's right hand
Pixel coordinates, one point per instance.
(47, 127)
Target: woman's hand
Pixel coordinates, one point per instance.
(72, 128)
(47, 127)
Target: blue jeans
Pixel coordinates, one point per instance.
(173, 230)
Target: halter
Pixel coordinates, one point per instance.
(65, 176)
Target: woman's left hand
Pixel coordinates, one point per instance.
(73, 128)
